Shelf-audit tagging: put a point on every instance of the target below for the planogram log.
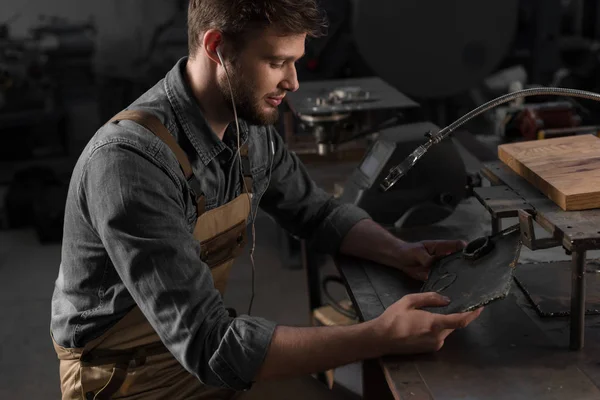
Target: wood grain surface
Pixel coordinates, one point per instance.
(566, 169)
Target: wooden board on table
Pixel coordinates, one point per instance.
(566, 169)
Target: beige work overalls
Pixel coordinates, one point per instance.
(129, 360)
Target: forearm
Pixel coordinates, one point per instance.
(302, 351)
(371, 241)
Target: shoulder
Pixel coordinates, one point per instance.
(127, 144)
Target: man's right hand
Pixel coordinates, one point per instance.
(408, 330)
(401, 329)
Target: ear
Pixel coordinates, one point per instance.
(211, 41)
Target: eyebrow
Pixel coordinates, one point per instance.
(285, 58)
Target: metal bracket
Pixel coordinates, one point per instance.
(528, 233)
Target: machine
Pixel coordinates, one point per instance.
(429, 195)
(336, 112)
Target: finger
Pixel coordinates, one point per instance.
(429, 299)
(443, 247)
(456, 321)
(423, 256)
(418, 273)
(445, 333)
(421, 275)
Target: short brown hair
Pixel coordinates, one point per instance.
(235, 18)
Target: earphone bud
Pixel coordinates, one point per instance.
(218, 51)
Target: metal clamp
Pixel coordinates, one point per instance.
(528, 233)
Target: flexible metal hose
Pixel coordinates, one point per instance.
(442, 134)
(398, 171)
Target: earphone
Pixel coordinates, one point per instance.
(272, 148)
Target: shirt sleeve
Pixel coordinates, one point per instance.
(136, 205)
(294, 200)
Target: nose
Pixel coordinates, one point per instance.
(290, 83)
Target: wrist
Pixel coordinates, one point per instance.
(378, 338)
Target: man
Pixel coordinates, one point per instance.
(157, 211)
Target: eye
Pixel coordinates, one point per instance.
(277, 65)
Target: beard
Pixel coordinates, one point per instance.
(249, 107)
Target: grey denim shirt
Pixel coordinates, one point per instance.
(128, 227)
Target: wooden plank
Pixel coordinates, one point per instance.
(405, 380)
(565, 169)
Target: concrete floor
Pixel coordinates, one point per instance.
(28, 365)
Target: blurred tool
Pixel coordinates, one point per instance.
(336, 112)
(404, 167)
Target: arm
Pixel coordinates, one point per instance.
(302, 208)
(371, 241)
(401, 329)
(134, 197)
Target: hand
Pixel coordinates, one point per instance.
(416, 258)
(409, 330)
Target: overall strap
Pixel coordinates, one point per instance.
(153, 124)
(246, 170)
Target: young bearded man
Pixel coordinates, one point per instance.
(157, 211)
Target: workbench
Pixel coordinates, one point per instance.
(511, 351)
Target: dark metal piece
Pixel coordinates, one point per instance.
(360, 288)
(578, 230)
(479, 276)
(547, 286)
(578, 300)
(496, 225)
(528, 234)
(500, 201)
(478, 248)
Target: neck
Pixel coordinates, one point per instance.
(202, 79)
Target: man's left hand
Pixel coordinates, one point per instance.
(415, 259)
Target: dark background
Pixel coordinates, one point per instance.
(67, 66)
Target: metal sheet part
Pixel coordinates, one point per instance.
(473, 283)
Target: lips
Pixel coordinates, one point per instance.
(275, 101)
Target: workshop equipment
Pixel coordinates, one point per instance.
(428, 195)
(567, 170)
(543, 121)
(337, 112)
(434, 138)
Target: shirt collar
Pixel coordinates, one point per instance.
(188, 112)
